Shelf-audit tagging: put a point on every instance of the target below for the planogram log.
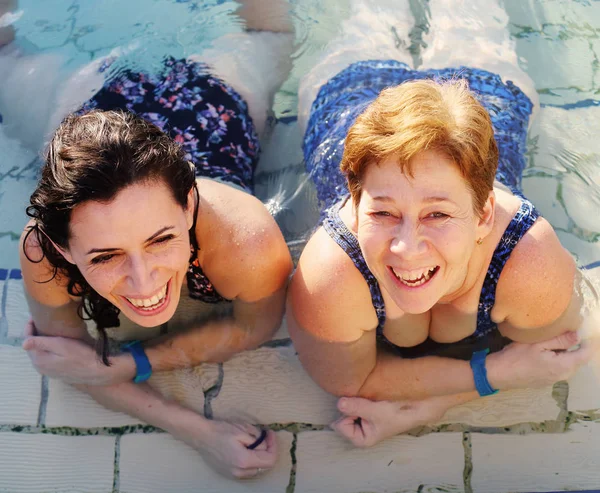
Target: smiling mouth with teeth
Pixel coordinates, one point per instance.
(150, 304)
(415, 278)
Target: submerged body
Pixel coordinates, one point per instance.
(427, 260)
(143, 221)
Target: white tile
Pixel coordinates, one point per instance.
(68, 406)
(566, 129)
(542, 192)
(186, 386)
(584, 389)
(584, 251)
(31, 463)
(270, 386)
(284, 148)
(506, 408)
(3, 277)
(20, 387)
(157, 463)
(572, 62)
(537, 462)
(17, 311)
(326, 462)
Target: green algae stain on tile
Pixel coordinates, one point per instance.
(468, 468)
(292, 483)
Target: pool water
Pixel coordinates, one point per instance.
(557, 41)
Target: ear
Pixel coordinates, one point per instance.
(65, 253)
(488, 214)
(190, 208)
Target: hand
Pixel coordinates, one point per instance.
(537, 365)
(225, 448)
(366, 422)
(73, 361)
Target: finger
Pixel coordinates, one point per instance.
(29, 329)
(258, 441)
(39, 343)
(561, 342)
(350, 427)
(265, 459)
(250, 435)
(355, 406)
(249, 473)
(581, 355)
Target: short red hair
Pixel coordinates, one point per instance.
(420, 116)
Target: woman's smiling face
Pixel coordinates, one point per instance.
(418, 233)
(134, 250)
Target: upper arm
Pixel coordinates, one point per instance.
(248, 259)
(53, 311)
(330, 318)
(537, 294)
(251, 264)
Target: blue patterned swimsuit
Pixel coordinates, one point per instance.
(335, 109)
(205, 116)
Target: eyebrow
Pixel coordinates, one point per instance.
(104, 250)
(387, 198)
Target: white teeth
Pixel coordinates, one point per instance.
(415, 278)
(149, 303)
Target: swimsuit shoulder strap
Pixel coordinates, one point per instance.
(339, 232)
(521, 222)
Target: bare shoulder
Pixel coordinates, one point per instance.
(536, 285)
(41, 283)
(328, 296)
(243, 250)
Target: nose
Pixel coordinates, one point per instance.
(141, 274)
(407, 241)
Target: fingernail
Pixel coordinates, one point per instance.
(342, 404)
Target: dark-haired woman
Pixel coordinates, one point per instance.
(143, 217)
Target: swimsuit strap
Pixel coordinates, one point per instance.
(199, 286)
(524, 218)
(338, 231)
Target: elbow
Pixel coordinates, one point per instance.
(367, 391)
(261, 335)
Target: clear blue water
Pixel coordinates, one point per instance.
(558, 43)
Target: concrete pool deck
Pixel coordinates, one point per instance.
(55, 438)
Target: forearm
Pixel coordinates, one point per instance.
(248, 326)
(395, 378)
(145, 404)
(214, 342)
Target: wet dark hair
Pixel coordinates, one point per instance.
(93, 157)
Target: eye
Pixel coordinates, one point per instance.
(102, 259)
(381, 214)
(163, 239)
(438, 215)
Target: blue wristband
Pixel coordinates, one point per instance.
(142, 363)
(480, 373)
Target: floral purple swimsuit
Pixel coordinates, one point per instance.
(199, 111)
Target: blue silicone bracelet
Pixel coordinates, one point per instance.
(142, 363)
(482, 383)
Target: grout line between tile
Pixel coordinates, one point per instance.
(292, 483)
(41, 420)
(212, 393)
(3, 320)
(117, 467)
(468, 469)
